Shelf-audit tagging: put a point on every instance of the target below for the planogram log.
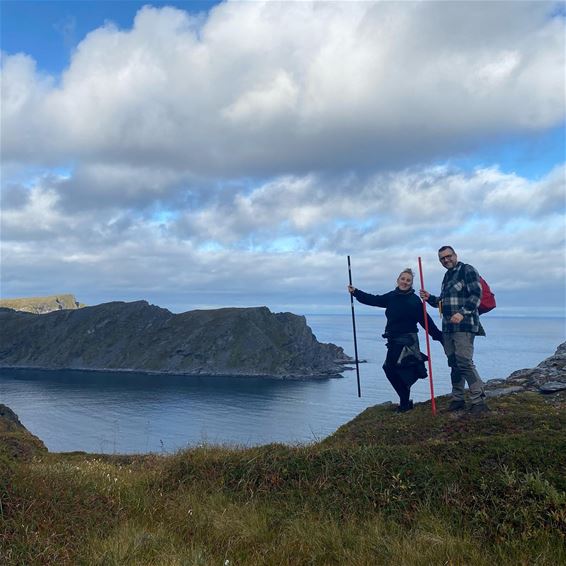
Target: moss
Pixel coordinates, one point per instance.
(385, 488)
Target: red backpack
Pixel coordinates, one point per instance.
(487, 302)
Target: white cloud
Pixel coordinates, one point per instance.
(237, 157)
(313, 206)
(265, 87)
(129, 255)
(34, 217)
(511, 194)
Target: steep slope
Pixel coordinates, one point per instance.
(16, 442)
(386, 488)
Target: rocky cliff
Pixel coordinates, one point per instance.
(42, 305)
(548, 377)
(141, 337)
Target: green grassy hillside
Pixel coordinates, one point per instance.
(385, 489)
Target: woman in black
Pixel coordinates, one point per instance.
(404, 363)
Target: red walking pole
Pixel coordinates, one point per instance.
(427, 343)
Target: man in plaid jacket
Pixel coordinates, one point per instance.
(458, 302)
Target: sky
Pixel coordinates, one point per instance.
(205, 155)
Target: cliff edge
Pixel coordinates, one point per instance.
(15, 440)
(386, 488)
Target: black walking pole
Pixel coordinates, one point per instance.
(354, 327)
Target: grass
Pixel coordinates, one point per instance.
(34, 304)
(384, 489)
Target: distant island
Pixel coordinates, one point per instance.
(42, 305)
(137, 336)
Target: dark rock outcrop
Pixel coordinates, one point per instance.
(548, 377)
(15, 440)
(9, 420)
(142, 337)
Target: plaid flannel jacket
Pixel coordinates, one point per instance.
(460, 293)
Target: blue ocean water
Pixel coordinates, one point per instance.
(133, 413)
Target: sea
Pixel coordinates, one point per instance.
(119, 413)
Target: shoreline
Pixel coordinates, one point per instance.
(129, 371)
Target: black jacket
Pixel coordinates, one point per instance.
(403, 310)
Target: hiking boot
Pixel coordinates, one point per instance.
(479, 408)
(404, 408)
(457, 405)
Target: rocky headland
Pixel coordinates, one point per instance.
(137, 336)
(42, 305)
(548, 377)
